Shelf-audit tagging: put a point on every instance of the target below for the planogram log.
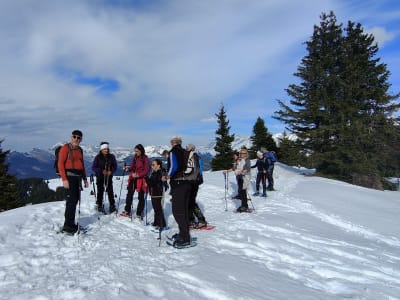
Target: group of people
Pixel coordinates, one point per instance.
(242, 169)
(183, 171)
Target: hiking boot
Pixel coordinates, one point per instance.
(200, 224)
(112, 209)
(125, 214)
(138, 217)
(70, 229)
(242, 209)
(175, 237)
(270, 188)
(264, 195)
(256, 194)
(181, 243)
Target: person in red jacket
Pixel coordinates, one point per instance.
(72, 171)
(139, 169)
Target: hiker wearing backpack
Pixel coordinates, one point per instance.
(139, 169)
(104, 165)
(72, 171)
(261, 174)
(180, 191)
(270, 159)
(194, 173)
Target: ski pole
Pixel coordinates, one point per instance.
(145, 209)
(120, 190)
(94, 187)
(226, 189)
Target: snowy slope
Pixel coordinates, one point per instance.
(313, 238)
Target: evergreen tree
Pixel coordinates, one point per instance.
(8, 185)
(223, 145)
(290, 151)
(341, 111)
(261, 138)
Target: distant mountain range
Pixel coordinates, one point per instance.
(39, 162)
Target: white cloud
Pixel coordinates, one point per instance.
(175, 62)
(381, 35)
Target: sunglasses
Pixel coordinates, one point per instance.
(77, 137)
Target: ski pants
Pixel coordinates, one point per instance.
(72, 196)
(103, 182)
(270, 177)
(242, 191)
(159, 219)
(261, 177)
(194, 209)
(129, 196)
(180, 192)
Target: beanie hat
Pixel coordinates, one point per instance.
(176, 139)
(259, 153)
(104, 145)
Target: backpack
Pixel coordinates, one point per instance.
(270, 157)
(192, 170)
(57, 152)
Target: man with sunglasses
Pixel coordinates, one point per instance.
(72, 170)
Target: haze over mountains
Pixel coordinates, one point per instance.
(39, 162)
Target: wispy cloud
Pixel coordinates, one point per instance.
(145, 71)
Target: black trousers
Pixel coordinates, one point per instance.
(129, 196)
(270, 174)
(242, 192)
(159, 219)
(261, 177)
(100, 190)
(194, 209)
(180, 192)
(72, 196)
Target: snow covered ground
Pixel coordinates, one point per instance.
(313, 238)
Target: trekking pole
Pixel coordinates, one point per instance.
(145, 209)
(106, 179)
(94, 187)
(120, 190)
(79, 210)
(226, 189)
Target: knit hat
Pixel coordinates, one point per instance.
(176, 139)
(104, 145)
(259, 153)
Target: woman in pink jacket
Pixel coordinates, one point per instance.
(139, 170)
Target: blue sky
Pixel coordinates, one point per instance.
(141, 71)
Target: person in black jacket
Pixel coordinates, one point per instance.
(104, 165)
(261, 174)
(156, 189)
(180, 191)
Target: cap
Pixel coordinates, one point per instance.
(176, 139)
(77, 132)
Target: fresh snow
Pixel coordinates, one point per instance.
(313, 238)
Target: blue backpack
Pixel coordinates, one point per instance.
(271, 155)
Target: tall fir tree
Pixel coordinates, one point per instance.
(261, 138)
(8, 185)
(223, 145)
(341, 111)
